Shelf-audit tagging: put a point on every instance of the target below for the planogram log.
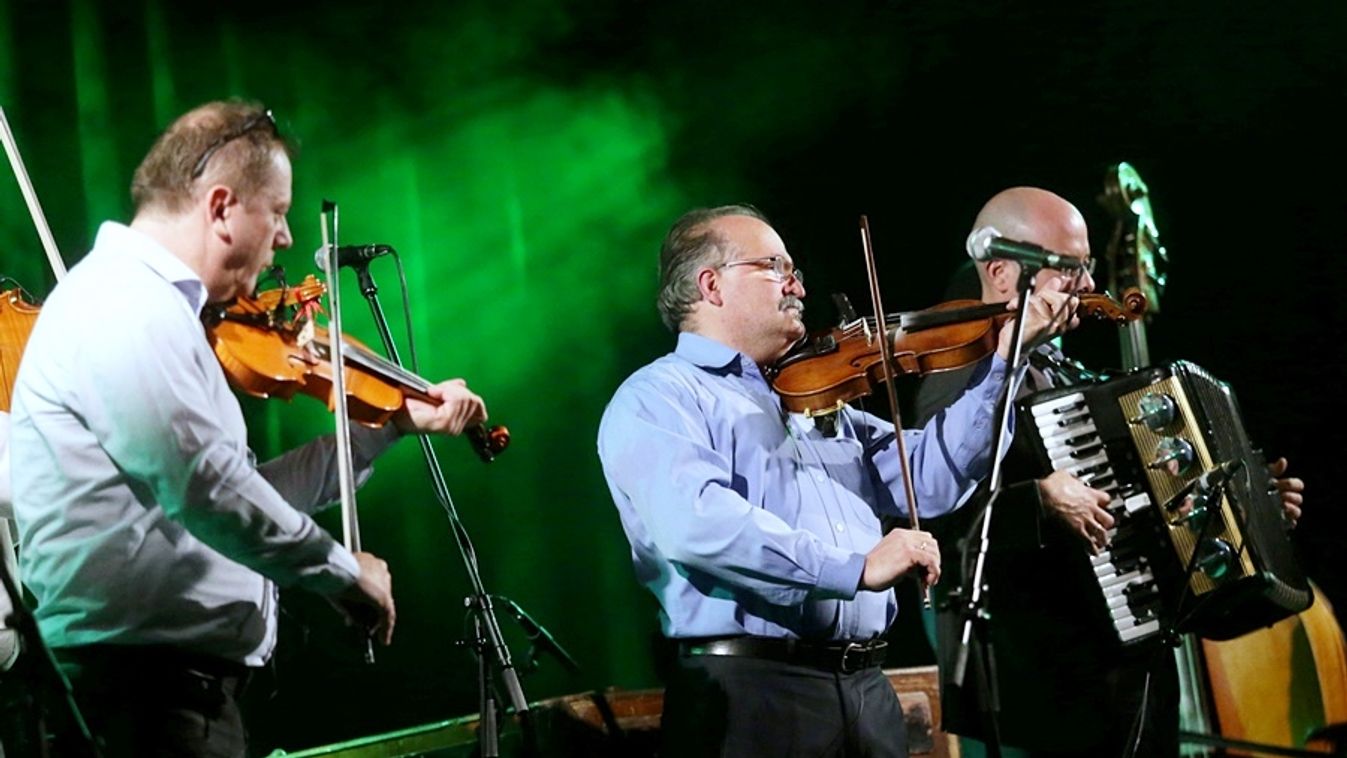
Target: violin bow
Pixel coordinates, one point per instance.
(886, 359)
(30, 198)
(350, 519)
(7, 552)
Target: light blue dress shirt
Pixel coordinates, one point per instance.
(744, 519)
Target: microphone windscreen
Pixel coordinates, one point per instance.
(979, 240)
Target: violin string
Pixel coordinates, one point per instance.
(380, 365)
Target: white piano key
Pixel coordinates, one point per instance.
(1139, 631)
(1121, 613)
(1049, 406)
(1059, 449)
(1109, 581)
(1070, 420)
(1060, 435)
(1137, 578)
(1088, 463)
(1137, 502)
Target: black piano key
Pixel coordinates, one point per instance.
(1087, 452)
(1083, 473)
(1069, 408)
(1081, 439)
(1107, 483)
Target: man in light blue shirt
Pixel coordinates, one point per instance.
(758, 532)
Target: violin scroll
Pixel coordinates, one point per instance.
(488, 442)
(1130, 307)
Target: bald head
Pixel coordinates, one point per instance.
(1029, 214)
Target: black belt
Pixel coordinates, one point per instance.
(155, 667)
(845, 657)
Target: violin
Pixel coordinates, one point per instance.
(829, 369)
(269, 346)
(17, 316)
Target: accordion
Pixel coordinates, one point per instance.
(1200, 544)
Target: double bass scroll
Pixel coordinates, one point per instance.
(1134, 256)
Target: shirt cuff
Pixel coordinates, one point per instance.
(840, 576)
(340, 571)
(994, 384)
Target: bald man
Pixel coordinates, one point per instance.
(1066, 686)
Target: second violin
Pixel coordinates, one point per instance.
(269, 346)
(829, 369)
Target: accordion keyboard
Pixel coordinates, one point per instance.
(1124, 573)
(1200, 544)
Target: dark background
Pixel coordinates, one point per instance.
(594, 124)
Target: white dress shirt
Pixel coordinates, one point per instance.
(143, 516)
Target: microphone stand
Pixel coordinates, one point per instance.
(976, 619)
(488, 642)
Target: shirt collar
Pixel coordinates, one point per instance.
(710, 354)
(123, 240)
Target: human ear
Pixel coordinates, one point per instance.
(220, 204)
(708, 283)
(1004, 276)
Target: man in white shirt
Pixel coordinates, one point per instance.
(151, 539)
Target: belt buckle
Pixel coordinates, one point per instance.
(851, 647)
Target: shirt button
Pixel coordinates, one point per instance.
(841, 527)
(818, 476)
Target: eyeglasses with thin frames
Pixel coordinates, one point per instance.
(262, 119)
(780, 268)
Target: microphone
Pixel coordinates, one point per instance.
(539, 636)
(986, 244)
(351, 255)
(1213, 479)
(1207, 486)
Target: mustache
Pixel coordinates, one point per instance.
(791, 301)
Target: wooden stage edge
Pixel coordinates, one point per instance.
(615, 723)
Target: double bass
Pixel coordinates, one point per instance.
(1277, 686)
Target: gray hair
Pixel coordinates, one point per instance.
(691, 245)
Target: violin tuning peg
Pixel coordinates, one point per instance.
(845, 312)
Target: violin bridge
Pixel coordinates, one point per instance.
(306, 334)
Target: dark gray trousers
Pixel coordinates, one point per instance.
(151, 702)
(733, 706)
